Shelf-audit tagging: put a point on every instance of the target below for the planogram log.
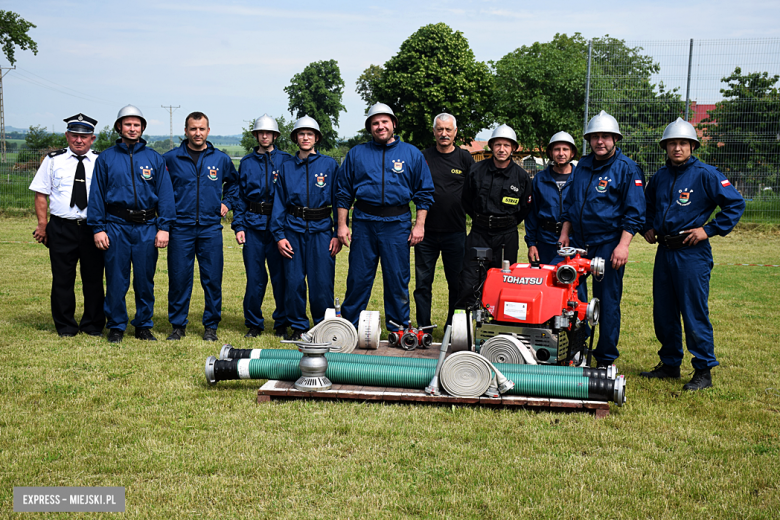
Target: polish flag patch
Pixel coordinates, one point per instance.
(638, 182)
(725, 183)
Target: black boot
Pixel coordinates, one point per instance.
(702, 378)
(177, 334)
(662, 371)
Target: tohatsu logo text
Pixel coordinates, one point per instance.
(523, 280)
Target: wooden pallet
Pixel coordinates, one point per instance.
(279, 390)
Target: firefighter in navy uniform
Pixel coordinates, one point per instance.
(131, 209)
(550, 186)
(302, 224)
(681, 196)
(202, 178)
(382, 176)
(254, 197)
(497, 196)
(603, 210)
(65, 177)
(445, 226)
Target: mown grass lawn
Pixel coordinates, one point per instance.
(81, 412)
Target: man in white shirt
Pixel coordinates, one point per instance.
(62, 187)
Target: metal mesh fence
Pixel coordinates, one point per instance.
(16, 174)
(728, 89)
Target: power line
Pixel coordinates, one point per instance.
(171, 109)
(2, 112)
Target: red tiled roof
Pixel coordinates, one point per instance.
(475, 146)
(699, 112)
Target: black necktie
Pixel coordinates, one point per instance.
(79, 195)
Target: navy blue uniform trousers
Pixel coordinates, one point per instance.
(681, 286)
(260, 247)
(312, 263)
(130, 244)
(372, 240)
(186, 243)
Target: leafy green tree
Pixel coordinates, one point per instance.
(106, 138)
(434, 71)
(741, 133)
(540, 90)
(38, 138)
(13, 33)
(317, 92)
(283, 142)
(367, 84)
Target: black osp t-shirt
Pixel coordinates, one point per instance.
(449, 173)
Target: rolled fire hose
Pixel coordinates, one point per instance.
(460, 332)
(338, 332)
(468, 374)
(507, 349)
(571, 387)
(369, 330)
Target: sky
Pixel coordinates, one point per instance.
(233, 60)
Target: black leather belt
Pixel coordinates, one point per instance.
(76, 221)
(136, 216)
(673, 242)
(382, 211)
(494, 222)
(310, 213)
(551, 225)
(263, 208)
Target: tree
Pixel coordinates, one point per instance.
(106, 138)
(283, 142)
(434, 71)
(13, 33)
(317, 92)
(740, 136)
(367, 84)
(38, 138)
(540, 90)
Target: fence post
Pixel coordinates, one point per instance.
(587, 98)
(688, 88)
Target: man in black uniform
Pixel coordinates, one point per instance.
(64, 178)
(497, 197)
(445, 227)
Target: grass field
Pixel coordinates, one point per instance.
(81, 412)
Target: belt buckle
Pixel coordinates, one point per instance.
(303, 212)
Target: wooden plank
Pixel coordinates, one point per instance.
(272, 390)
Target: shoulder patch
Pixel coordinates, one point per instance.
(55, 153)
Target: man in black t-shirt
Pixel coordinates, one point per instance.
(445, 227)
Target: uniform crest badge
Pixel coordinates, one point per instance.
(398, 166)
(276, 176)
(146, 173)
(601, 187)
(514, 188)
(213, 173)
(321, 180)
(685, 197)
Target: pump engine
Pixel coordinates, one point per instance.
(538, 304)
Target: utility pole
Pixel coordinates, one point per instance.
(171, 109)
(2, 111)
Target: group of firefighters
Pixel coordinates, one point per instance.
(292, 214)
